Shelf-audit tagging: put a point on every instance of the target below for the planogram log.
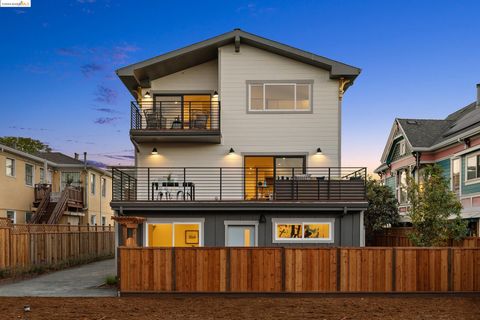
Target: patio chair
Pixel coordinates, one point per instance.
(200, 121)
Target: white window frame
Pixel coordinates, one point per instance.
(452, 160)
(93, 217)
(173, 222)
(33, 174)
(14, 167)
(42, 175)
(402, 148)
(229, 223)
(93, 183)
(303, 221)
(279, 83)
(14, 215)
(474, 180)
(103, 220)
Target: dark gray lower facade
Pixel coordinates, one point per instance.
(345, 228)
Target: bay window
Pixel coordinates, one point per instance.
(279, 96)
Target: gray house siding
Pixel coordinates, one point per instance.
(346, 229)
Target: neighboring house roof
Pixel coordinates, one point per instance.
(25, 155)
(430, 134)
(141, 73)
(59, 158)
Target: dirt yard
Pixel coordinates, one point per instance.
(231, 307)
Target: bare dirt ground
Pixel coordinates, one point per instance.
(234, 307)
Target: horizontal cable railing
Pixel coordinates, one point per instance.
(238, 184)
(175, 115)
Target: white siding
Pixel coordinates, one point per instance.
(254, 133)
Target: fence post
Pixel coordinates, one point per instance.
(228, 286)
(284, 271)
(450, 270)
(174, 271)
(339, 279)
(394, 269)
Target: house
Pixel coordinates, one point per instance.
(51, 187)
(453, 143)
(238, 143)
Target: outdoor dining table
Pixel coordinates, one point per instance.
(171, 190)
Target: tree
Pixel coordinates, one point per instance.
(382, 208)
(434, 210)
(24, 144)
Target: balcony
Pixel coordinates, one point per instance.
(177, 187)
(175, 121)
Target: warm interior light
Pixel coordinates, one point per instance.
(147, 95)
(231, 150)
(319, 151)
(154, 151)
(215, 94)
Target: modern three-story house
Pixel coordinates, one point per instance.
(238, 143)
(453, 143)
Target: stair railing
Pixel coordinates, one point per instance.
(60, 207)
(42, 207)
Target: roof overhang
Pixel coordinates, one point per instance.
(140, 74)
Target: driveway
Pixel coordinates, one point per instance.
(82, 281)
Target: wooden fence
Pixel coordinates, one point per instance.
(398, 237)
(26, 246)
(155, 270)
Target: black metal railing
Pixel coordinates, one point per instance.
(238, 184)
(175, 115)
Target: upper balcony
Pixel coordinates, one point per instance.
(175, 120)
(234, 187)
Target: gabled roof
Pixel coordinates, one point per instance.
(430, 134)
(141, 73)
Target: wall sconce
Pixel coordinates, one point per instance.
(319, 151)
(231, 151)
(147, 95)
(262, 219)
(154, 151)
(215, 94)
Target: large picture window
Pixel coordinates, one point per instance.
(174, 234)
(279, 96)
(69, 179)
(311, 230)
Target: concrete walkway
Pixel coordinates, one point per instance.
(82, 281)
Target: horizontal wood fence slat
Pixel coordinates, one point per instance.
(149, 270)
(25, 246)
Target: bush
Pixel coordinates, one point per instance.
(111, 280)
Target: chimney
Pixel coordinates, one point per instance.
(75, 156)
(85, 160)
(478, 95)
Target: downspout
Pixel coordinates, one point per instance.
(85, 203)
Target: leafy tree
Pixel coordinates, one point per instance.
(431, 205)
(382, 208)
(24, 144)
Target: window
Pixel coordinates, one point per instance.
(69, 179)
(28, 174)
(93, 220)
(104, 187)
(295, 230)
(456, 176)
(473, 171)
(10, 167)
(279, 96)
(401, 146)
(174, 234)
(92, 183)
(28, 217)
(104, 221)
(402, 185)
(42, 175)
(12, 216)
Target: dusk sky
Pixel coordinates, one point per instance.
(419, 59)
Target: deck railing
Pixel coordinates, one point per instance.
(175, 115)
(238, 184)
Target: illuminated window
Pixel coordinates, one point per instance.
(174, 234)
(297, 230)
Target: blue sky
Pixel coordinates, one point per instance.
(57, 61)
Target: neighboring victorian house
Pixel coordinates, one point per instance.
(238, 143)
(453, 143)
(53, 188)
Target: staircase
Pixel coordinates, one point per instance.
(53, 205)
